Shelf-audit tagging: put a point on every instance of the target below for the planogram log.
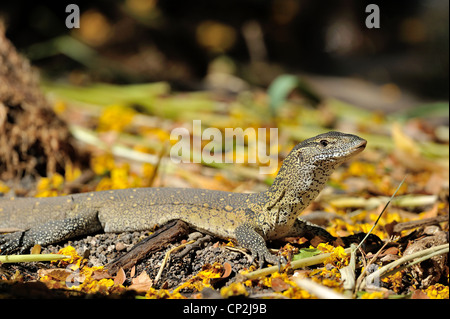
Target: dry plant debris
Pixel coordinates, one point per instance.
(34, 142)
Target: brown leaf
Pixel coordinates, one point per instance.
(389, 251)
(279, 284)
(141, 283)
(228, 270)
(120, 277)
(389, 228)
(419, 294)
(55, 274)
(389, 258)
(133, 271)
(100, 274)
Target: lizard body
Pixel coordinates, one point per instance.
(251, 219)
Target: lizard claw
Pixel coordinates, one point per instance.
(266, 256)
(249, 238)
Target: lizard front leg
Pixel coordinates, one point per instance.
(248, 237)
(51, 232)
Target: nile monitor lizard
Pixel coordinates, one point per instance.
(251, 219)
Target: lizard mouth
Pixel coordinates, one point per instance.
(362, 145)
(359, 148)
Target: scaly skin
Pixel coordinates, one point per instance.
(251, 219)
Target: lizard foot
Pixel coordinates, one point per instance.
(252, 240)
(263, 255)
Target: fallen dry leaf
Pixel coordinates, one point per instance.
(389, 258)
(120, 277)
(55, 274)
(133, 271)
(389, 251)
(419, 294)
(228, 269)
(141, 283)
(279, 284)
(389, 228)
(100, 274)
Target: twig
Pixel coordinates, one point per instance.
(249, 258)
(348, 272)
(197, 243)
(418, 260)
(383, 271)
(361, 277)
(151, 179)
(31, 257)
(166, 258)
(419, 223)
(379, 216)
(318, 290)
(90, 137)
(155, 242)
(410, 200)
(304, 262)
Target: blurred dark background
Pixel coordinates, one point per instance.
(254, 40)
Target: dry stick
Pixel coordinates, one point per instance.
(361, 277)
(379, 216)
(198, 242)
(31, 258)
(418, 260)
(419, 223)
(388, 269)
(151, 179)
(348, 272)
(304, 262)
(320, 291)
(169, 232)
(249, 258)
(166, 258)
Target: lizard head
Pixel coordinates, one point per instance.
(321, 154)
(304, 173)
(332, 148)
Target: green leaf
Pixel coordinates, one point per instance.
(306, 253)
(283, 85)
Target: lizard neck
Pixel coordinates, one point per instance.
(294, 188)
(302, 176)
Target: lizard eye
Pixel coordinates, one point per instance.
(323, 143)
